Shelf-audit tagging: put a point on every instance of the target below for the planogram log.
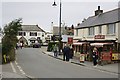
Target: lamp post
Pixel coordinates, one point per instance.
(60, 38)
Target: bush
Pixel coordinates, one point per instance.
(9, 40)
(51, 45)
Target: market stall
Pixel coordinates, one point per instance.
(81, 50)
(104, 52)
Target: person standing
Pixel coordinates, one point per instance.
(21, 45)
(55, 49)
(71, 53)
(66, 53)
(95, 56)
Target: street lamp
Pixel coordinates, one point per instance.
(60, 38)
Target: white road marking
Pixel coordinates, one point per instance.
(21, 70)
(13, 68)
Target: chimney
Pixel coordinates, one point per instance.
(97, 12)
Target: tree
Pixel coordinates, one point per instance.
(10, 38)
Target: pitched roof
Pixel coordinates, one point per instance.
(103, 18)
(31, 28)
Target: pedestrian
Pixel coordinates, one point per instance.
(95, 56)
(17, 45)
(66, 52)
(71, 53)
(21, 45)
(55, 50)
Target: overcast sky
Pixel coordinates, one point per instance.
(43, 13)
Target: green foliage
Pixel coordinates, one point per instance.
(10, 38)
(51, 46)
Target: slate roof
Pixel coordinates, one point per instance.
(103, 18)
(31, 28)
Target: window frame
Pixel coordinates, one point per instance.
(91, 33)
(113, 28)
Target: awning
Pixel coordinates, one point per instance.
(33, 38)
(80, 43)
(100, 44)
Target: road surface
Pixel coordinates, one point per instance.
(33, 63)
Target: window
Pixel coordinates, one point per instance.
(91, 31)
(111, 29)
(76, 32)
(21, 34)
(38, 38)
(33, 33)
(48, 35)
(100, 29)
(42, 34)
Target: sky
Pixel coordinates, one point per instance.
(42, 12)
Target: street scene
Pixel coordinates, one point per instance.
(60, 39)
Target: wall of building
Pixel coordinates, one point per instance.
(27, 37)
(83, 33)
(118, 32)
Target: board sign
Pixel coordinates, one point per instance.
(106, 56)
(70, 40)
(115, 56)
(99, 37)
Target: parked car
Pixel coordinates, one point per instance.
(45, 44)
(36, 45)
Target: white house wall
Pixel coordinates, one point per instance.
(27, 37)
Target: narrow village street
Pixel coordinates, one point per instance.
(73, 39)
(33, 63)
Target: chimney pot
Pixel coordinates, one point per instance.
(98, 7)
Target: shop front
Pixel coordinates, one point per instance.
(81, 50)
(104, 52)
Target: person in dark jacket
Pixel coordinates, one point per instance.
(66, 53)
(95, 56)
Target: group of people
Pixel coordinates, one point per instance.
(19, 45)
(67, 52)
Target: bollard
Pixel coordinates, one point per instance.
(5, 58)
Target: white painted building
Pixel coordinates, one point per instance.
(30, 34)
(48, 36)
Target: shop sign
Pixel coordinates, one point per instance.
(99, 37)
(115, 56)
(70, 40)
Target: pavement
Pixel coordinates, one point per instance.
(112, 68)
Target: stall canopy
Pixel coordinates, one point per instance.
(80, 43)
(33, 38)
(100, 44)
